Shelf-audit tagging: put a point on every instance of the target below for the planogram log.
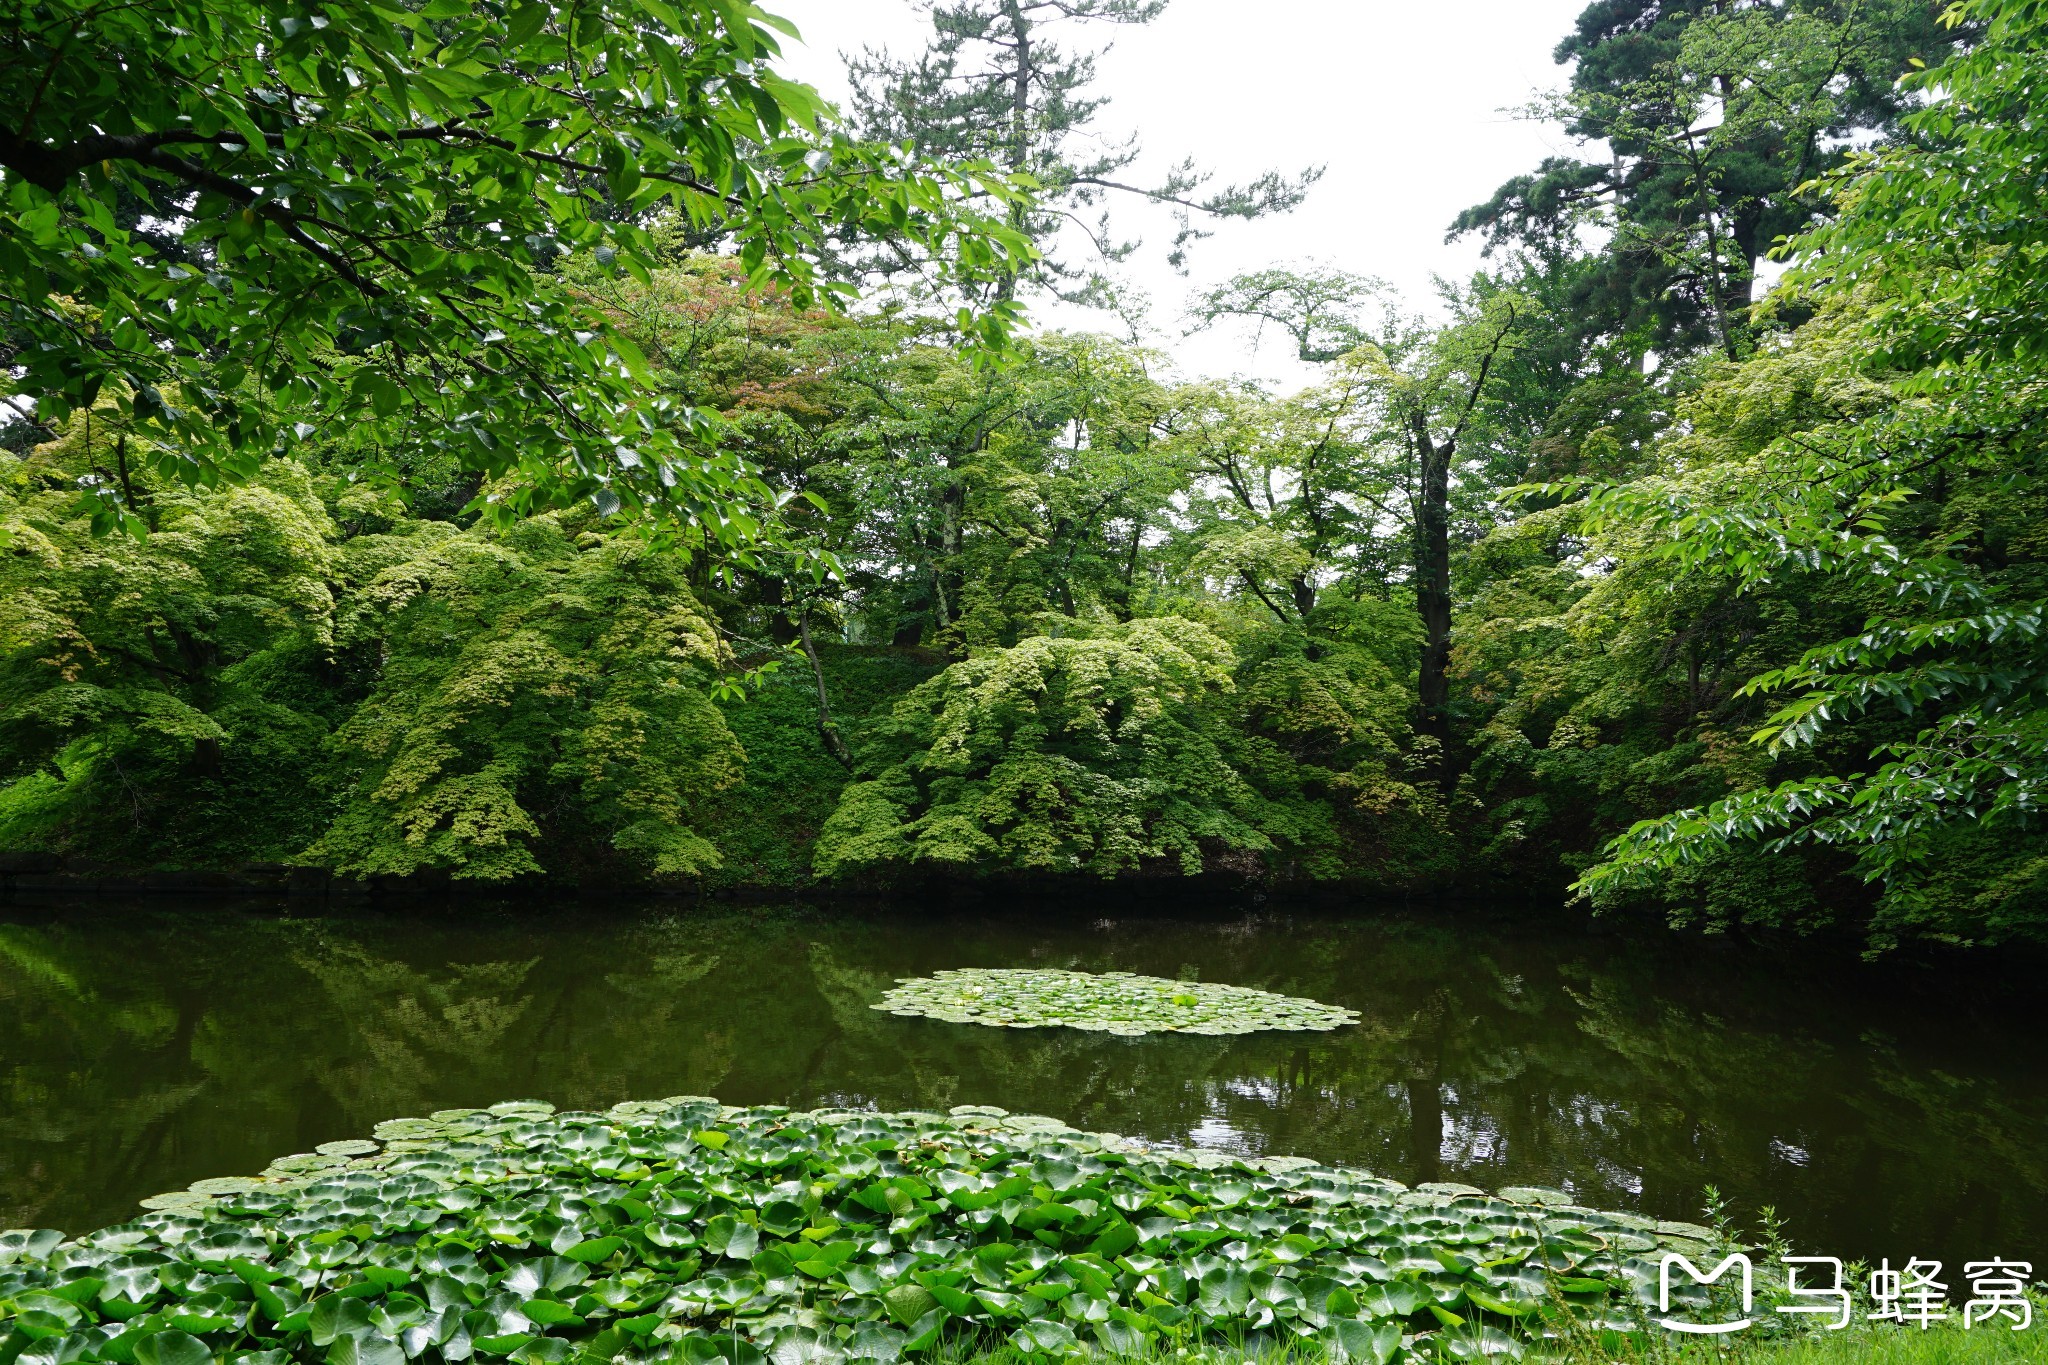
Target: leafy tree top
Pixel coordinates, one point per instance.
(998, 82)
(1932, 267)
(1700, 122)
(371, 208)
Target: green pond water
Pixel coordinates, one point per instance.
(1883, 1112)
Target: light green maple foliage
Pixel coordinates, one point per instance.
(1091, 754)
(136, 675)
(545, 682)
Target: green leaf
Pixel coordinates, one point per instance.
(172, 1348)
(595, 1249)
(1373, 1342)
(334, 1316)
(524, 22)
(365, 1350)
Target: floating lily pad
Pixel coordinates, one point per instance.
(229, 1184)
(824, 1238)
(177, 1201)
(634, 1109)
(347, 1147)
(1106, 1002)
(398, 1130)
(304, 1163)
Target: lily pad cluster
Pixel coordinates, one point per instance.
(683, 1231)
(1107, 1002)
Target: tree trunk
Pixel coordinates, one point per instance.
(835, 744)
(205, 760)
(1304, 594)
(1433, 580)
(780, 628)
(1122, 605)
(948, 584)
(1019, 150)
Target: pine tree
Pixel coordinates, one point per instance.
(1700, 122)
(999, 83)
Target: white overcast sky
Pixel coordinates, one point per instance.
(1402, 102)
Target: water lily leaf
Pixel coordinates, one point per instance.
(954, 1300)
(1484, 1343)
(727, 1236)
(502, 1344)
(1114, 1002)
(1508, 1307)
(783, 1217)
(1574, 1284)
(596, 1249)
(1225, 1292)
(827, 1258)
(805, 1346)
(1395, 1299)
(550, 1313)
(872, 1341)
(1044, 1337)
(42, 1313)
(365, 1350)
(908, 1302)
(178, 1201)
(28, 1244)
(172, 1348)
(1120, 1338)
(923, 1333)
(1371, 1342)
(349, 1147)
(547, 1275)
(334, 1316)
(1294, 1247)
(907, 1230)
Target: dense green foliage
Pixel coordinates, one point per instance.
(540, 660)
(250, 679)
(677, 1228)
(1483, 606)
(1055, 754)
(1868, 491)
(245, 225)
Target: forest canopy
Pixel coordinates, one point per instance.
(533, 442)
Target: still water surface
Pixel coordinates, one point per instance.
(144, 1047)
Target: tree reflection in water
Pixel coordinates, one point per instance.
(142, 1048)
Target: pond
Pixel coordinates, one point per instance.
(1882, 1113)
